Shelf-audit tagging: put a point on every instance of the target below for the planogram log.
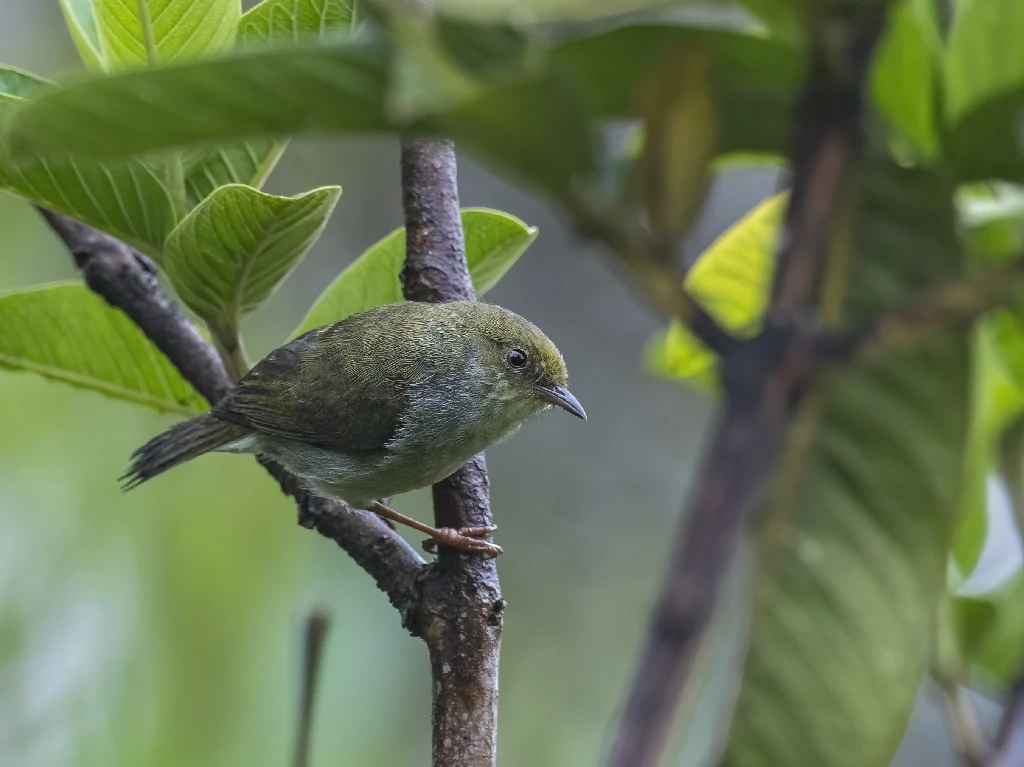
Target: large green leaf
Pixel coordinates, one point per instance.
(272, 23)
(232, 251)
(905, 74)
(177, 30)
(67, 333)
(126, 199)
(268, 93)
(850, 575)
(80, 18)
(494, 241)
(756, 80)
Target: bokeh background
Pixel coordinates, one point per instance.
(162, 627)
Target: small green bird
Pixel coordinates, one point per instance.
(386, 401)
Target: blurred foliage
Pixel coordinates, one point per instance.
(852, 564)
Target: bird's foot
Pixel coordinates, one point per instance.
(464, 539)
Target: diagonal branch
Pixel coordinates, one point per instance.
(461, 604)
(127, 281)
(949, 305)
(764, 380)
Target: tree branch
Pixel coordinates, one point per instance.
(127, 281)
(461, 608)
(950, 305)
(315, 631)
(764, 380)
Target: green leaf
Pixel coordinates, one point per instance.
(269, 93)
(272, 23)
(985, 58)
(232, 251)
(850, 576)
(756, 80)
(680, 141)
(19, 84)
(275, 23)
(991, 220)
(990, 630)
(536, 131)
(904, 75)
(126, 199)
(494, 241)
(67, 333)
(80, 18)
(731, 279)
(177, 30)
(986, 143)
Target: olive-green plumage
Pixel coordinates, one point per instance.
(383, 402)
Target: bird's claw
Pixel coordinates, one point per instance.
(464, 539)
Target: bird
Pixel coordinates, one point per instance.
(384, 402)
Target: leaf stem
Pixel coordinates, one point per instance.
(148, 36)
(228, 341)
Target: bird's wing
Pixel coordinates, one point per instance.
(352, 397)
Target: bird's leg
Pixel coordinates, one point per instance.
(464, 539)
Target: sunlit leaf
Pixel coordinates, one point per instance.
(494, 242)
(231, 252)
(851, 575)
(179, 29)
(80, 18)
(272, 23)
(275, 23)
(67, 333)
(731, 278)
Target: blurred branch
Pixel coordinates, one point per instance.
(1008, 750)
(127, 281)
(461, 606)
(964, 719)
(639, 251)
(764, 380)
(950, 305)
(316, 626)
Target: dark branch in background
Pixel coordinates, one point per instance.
(127, 281)
(312, 651)
(764, 380)
(461, 605)
(954, 304)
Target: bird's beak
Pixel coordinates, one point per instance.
(561, 397)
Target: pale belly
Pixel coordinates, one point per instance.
(360, 480)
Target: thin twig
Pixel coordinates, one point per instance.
(764, 380)
(315, 632)
(461, 598)
(127, 281)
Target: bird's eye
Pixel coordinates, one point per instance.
(516, 358)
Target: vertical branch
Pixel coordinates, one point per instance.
(764, 381)
(461, 607)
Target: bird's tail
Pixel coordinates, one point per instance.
(183, 442)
